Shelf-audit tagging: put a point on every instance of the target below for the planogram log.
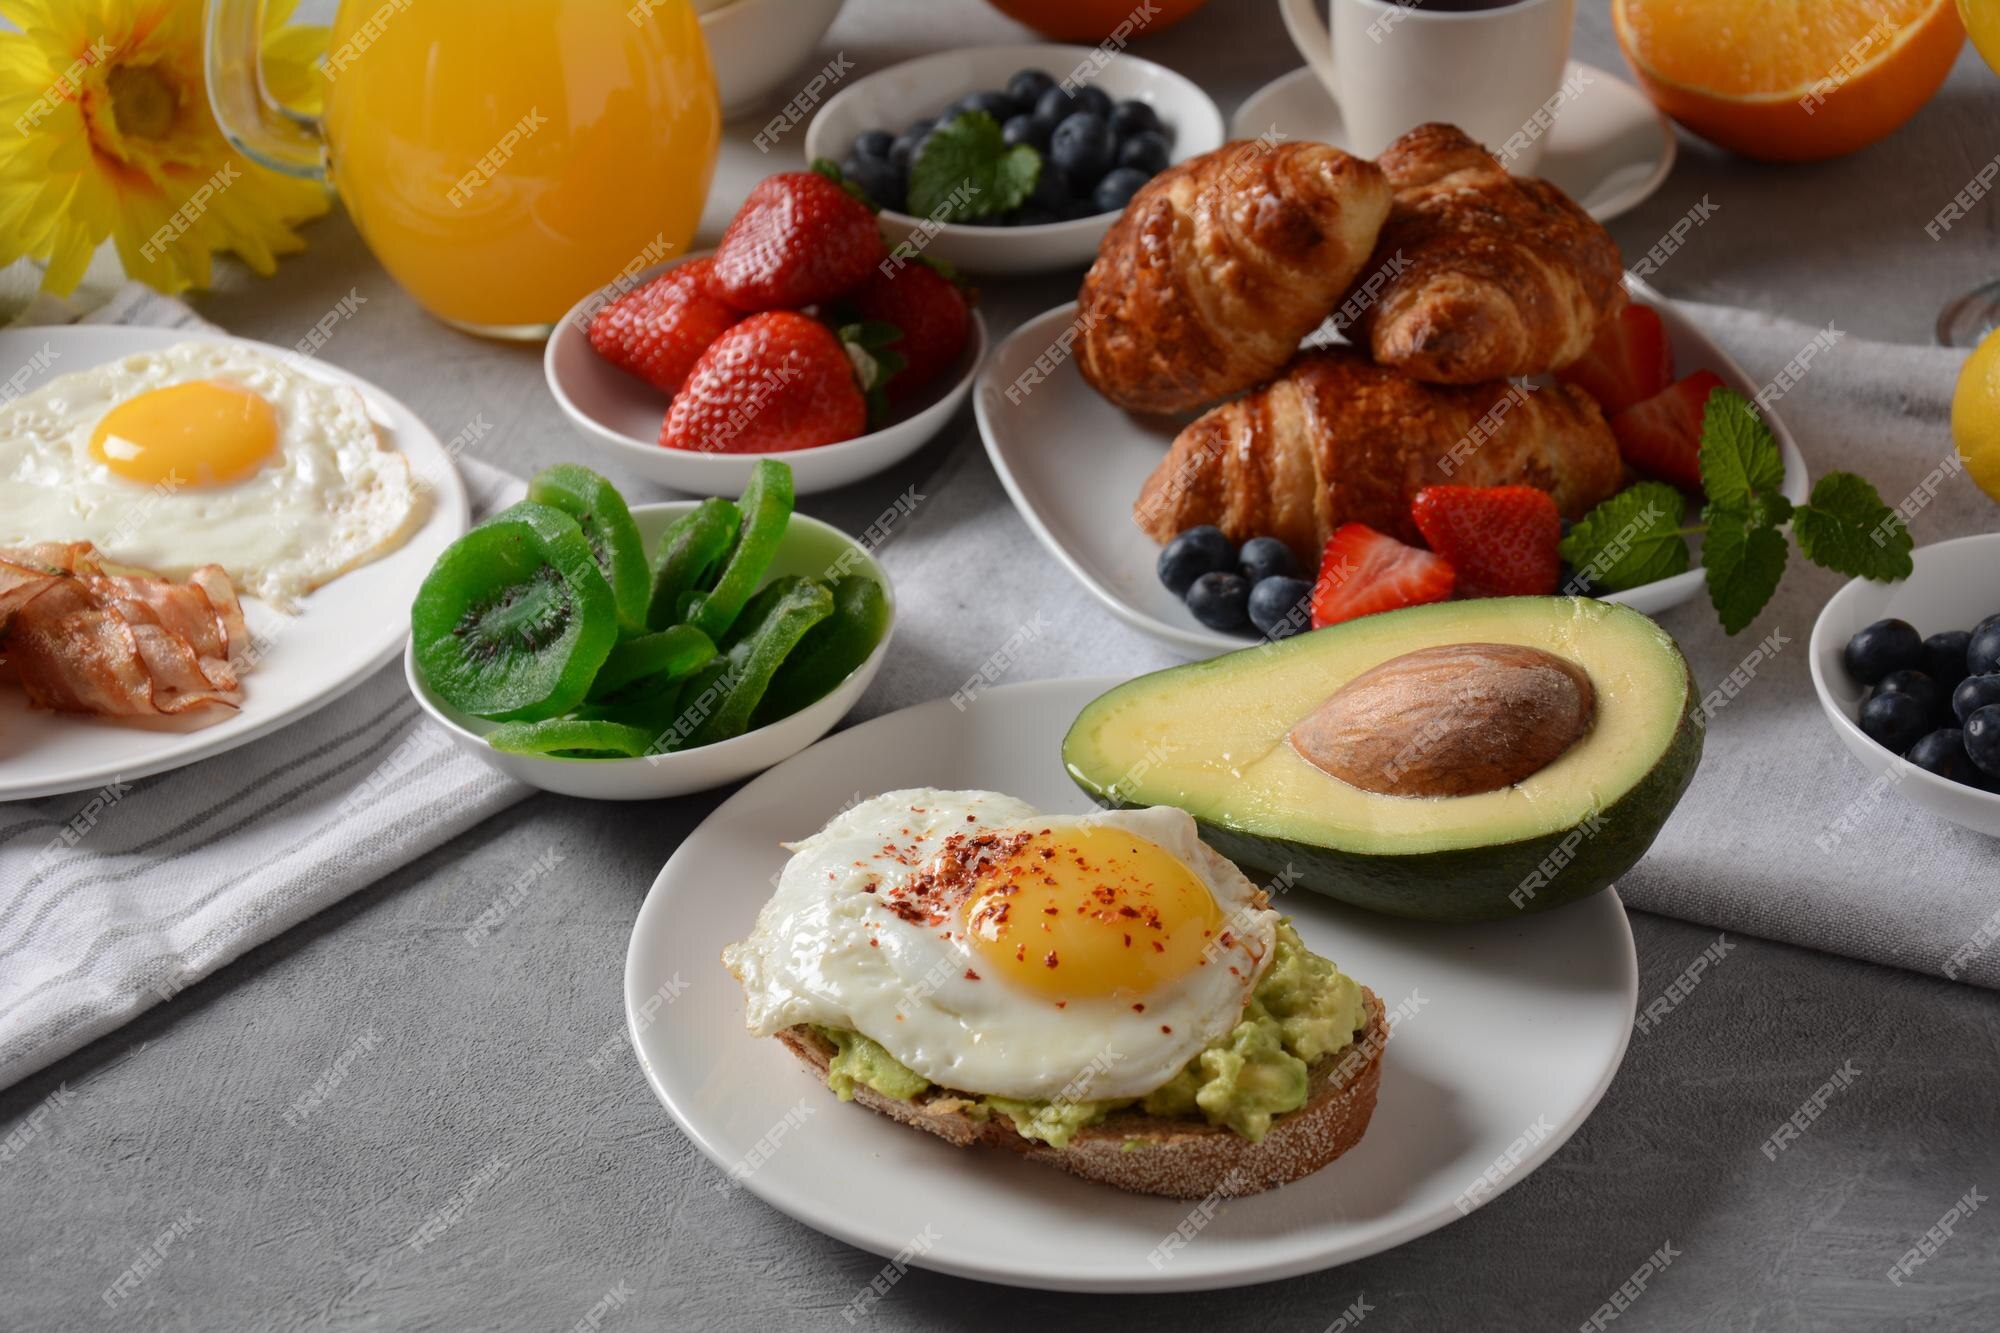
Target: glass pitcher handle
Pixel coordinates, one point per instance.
(249, 117)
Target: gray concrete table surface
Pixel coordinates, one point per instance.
(609, 1213)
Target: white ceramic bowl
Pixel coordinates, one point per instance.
(756, 47)
(1955, 586)
(623, 412)
(810, 547)
(896, 96)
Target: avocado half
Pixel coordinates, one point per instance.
(1217, 739)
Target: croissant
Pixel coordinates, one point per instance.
(1219, 266)
(1479, 275)
(1338, 439)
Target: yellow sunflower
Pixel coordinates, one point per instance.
(105, 131)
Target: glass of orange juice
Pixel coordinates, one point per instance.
(501, 160)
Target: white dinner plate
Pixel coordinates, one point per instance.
(1074, 464)
(342, 633)
(1609, 148)
(1513, 1032)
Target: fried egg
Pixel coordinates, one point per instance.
(206, 453)
(1000, 951)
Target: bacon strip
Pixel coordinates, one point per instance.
(125, 644)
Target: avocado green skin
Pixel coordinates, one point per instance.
(1474, 883)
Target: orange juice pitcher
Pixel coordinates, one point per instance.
(501, 160)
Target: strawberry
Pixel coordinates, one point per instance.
(1661, 436)
(659, 330)
(779, 380)
(798, 239)
(930, 312)
(1629, 360)
(1365, 571)
(1501, 540)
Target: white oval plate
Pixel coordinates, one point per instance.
(1514, 1031)
(893, 98)
(1074, 464)
(1608, 150)
(343, 632)
(623, 413)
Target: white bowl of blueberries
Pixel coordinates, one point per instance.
(1909, 675)
(1011, 159)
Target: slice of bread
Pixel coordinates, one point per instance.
(1179, 1158)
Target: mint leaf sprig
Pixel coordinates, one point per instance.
(966, 170)
(1640, 535)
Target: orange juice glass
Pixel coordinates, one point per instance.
(502, 160)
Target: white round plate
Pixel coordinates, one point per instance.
(1609, 148)
(1513, 1032)
(1074, 464)
(893, 98)
(809, 547)
(1952, 587)
(623, 413)
(342, 633)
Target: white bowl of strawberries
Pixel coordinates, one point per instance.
(799, 338)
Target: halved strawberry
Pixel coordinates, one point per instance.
(1661, 437)
(1501, 540)
(1365, 571)
(1629, 361)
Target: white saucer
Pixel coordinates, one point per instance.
(1513, 1031)
(1608, 149)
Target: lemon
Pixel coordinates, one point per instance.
(1975, 415)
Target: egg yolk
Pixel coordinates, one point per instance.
(1090, 912)
(201, 433)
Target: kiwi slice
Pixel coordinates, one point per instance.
(514, 619)
(607, 526)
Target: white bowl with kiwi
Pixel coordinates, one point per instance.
(614, 654)
(1053, 230)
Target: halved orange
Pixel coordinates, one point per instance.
(1790, 80)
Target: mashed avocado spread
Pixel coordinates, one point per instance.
(1303, 1011)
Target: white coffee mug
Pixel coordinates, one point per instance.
(1496, 73)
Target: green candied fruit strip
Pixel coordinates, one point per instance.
(758, 608)
(576, 738)
(692, 547)
(607, 525)
(752, 663)
(767, 508)
(673, 653)
(651, 705)
(833, 649)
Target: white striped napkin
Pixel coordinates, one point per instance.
(113, 901)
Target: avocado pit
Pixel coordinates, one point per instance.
(1452, 720)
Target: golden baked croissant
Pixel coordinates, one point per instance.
(1339, 439)
(1489, 275)
(1219, 266)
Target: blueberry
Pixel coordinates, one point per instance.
(1573, 582)
(1051, 192)
(1974, 693)
(1266, 558)
(1130, 118)
(1117, 188)
(1885, 646)
(1095, 101)
(1982, 654)
(1197, 551)
(1943, 753)
(1944, 657)
(997, 105)
(1054, 104)
(1919, 687)
(1146, 151)
(1026, 130)
(1281, 607)
(1077, 208)
(877, 177)
(1028, 86)
(1029, 215)
(1982, 739)
(1895, 721)
(904, 150)
(1220, 601)
(1082, 149)
(873, 143)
